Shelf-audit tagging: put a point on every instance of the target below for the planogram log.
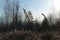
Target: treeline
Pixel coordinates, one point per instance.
(13, 22)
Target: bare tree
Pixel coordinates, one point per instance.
(7, 11)
(28, 15)
(15, 13)
(12, 9)
(45, 23)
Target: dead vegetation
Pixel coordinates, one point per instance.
(30, 35)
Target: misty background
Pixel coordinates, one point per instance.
(50, 8)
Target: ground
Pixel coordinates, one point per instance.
(30, 35)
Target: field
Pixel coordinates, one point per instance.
(31, 35)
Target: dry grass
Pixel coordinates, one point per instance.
(30, 35)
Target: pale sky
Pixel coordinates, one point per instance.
(36, 6)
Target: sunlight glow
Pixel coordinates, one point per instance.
(56, 4)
